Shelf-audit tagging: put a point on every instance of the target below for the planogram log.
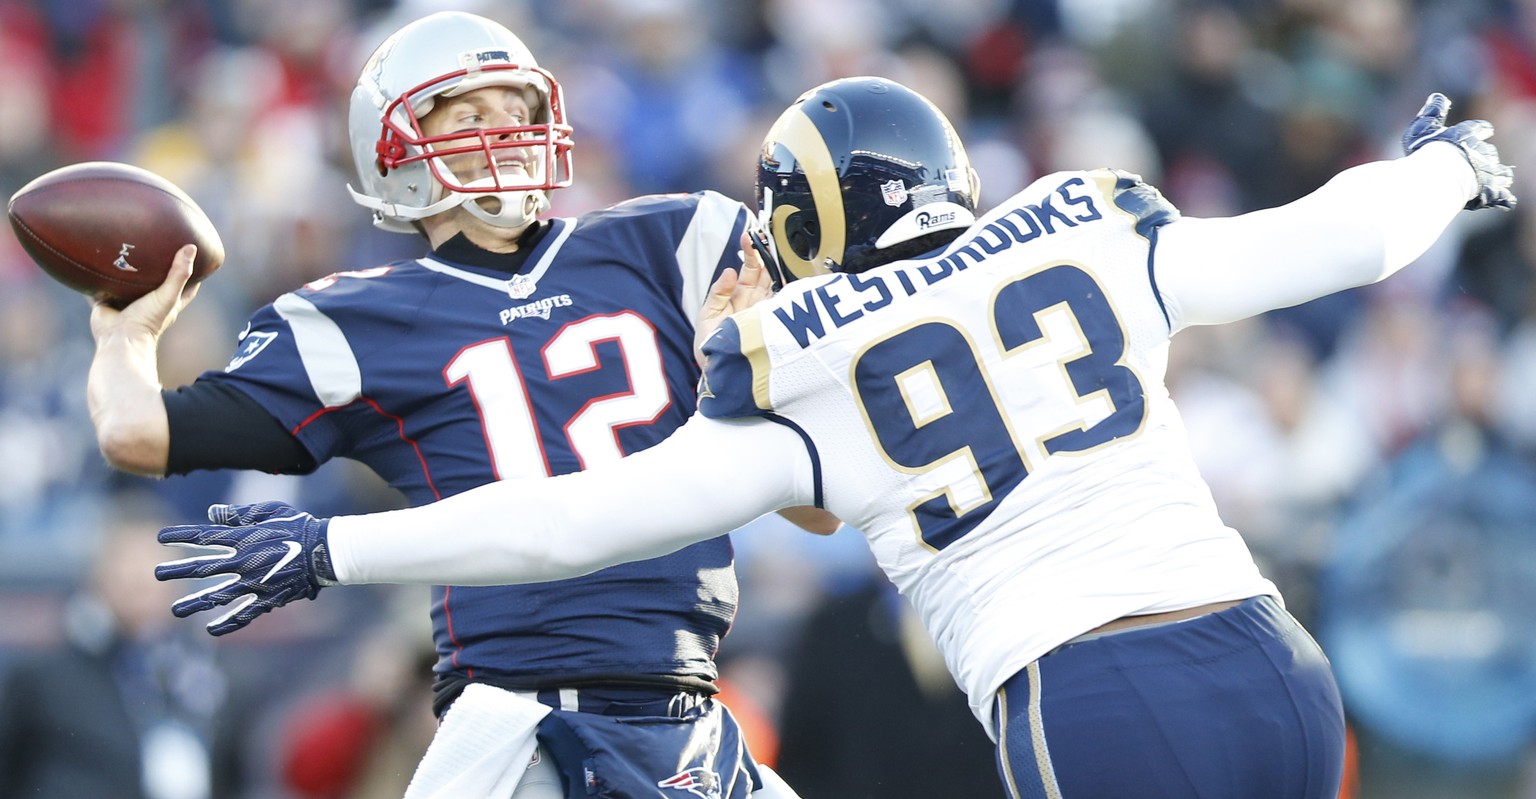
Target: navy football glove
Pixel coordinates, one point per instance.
(269, 554)
(1494, 179)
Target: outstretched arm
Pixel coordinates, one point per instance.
(1366, 223)
(708, 478)
(705, 480)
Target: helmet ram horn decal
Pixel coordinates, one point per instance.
(855, 166)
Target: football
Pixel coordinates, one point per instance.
(110, 230)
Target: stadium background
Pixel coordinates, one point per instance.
(1375, 448)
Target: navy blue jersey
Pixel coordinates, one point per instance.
(442, 377)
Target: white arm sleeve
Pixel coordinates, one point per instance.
(1366, 223)
(708, 478)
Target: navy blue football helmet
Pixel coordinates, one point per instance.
(855, 167)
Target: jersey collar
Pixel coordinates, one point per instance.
(461, 251)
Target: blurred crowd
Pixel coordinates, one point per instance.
(1377, 448)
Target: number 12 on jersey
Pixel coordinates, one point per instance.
(496, 383)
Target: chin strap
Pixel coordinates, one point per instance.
(518, 208)
(398, 218)
(526, 207)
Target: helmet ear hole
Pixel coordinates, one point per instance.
(803, 234)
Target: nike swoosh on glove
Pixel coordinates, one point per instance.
(269, 554)
(1494, 178)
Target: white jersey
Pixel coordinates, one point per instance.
(1000, 430)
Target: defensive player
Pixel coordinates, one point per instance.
(983, 398)
(519, 347)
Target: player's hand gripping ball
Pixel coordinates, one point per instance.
(110, 230)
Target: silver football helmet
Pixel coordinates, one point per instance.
(401, 174)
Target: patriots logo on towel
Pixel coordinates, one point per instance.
(697, 781)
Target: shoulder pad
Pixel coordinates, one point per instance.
(656, 202)
(1141, 200)
(735, 380)
(676, 209)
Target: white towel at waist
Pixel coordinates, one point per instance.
(482, 747)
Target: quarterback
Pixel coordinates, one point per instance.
(521, 345)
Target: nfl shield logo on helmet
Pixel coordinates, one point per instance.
(894, 192)
(697, 781)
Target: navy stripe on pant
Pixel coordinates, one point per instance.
(1237, 704)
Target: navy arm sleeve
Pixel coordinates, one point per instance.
(216, 426)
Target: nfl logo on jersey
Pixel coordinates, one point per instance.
(520, 287)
